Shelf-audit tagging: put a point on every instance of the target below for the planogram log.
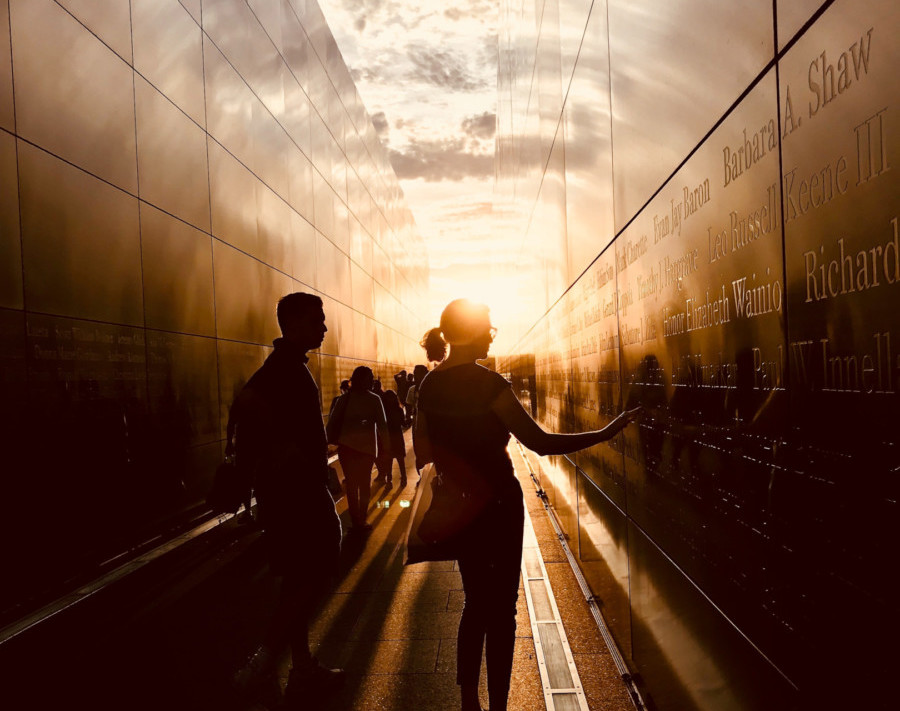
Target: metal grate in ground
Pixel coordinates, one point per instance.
(559, 677)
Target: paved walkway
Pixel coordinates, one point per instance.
(393, 628)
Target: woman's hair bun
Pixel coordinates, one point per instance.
(434, 344)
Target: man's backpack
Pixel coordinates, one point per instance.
(336, 419)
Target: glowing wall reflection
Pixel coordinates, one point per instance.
(169, 170)
(707, 206)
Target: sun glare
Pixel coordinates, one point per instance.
(510, 305)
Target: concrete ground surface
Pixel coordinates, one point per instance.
(393, 627)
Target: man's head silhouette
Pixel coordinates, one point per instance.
(302, 319)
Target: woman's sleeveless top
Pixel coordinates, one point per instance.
(466, 436)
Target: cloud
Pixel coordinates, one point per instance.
(380, 122)
(442, 159)
(480, 10)
(480, 125)
(442, 68)
(489, 50)
(383, 13)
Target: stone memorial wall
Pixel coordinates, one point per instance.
(734, 166)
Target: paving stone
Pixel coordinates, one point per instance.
(396, 692)
(457, 599)
(525, 691)
(431, 625)
(443, 580)
(400, 656)
(581, 627)
(432, 599)
(446, 661)
(603, 687)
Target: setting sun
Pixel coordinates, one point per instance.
(504, 292)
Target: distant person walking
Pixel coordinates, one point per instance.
(383, 461)
(401, 385)
(466, 414)
(397, 449)
(412, 399)
(412, 394)
(410, 381)
(280, 435)
(344, 389)
(358, 426)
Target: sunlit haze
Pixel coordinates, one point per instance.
(427, 73)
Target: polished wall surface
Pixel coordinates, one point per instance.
(170, 170)
(729, 201)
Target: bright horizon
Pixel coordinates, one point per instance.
(439, 130)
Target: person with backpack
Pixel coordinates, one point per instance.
(344, 388)
(358, 426)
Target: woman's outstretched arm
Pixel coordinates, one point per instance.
(508, 408)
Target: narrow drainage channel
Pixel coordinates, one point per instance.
(564, 700)
(559, 677)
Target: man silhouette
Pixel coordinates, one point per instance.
(281, 437)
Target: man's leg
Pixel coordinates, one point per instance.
(298, 600)
(382, 465)
(350, 493)
(365, 487)
(309, 680)
(288, 626)
(401, 462)
(351, 481)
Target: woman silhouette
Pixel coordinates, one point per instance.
(466, 414)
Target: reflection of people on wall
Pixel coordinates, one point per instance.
(568, 415)
(648, 391)
(745, 404)
(246, 472)
(280, 430)
(749, 475)
(689, 407)
(466, 414)
(532, 394)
